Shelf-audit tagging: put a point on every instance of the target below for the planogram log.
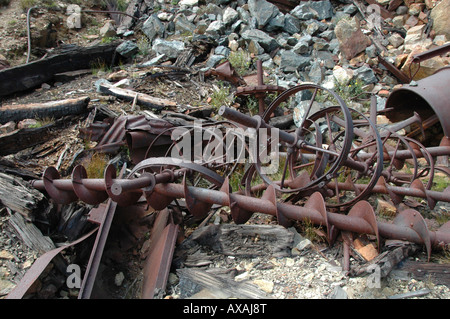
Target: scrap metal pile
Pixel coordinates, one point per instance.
(323, 171)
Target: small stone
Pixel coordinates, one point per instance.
(117, 76)
(6, 255)
(108, 30)
(264, 285)
(7, 127)
(396, 40)
(118, 279)
(338, 293)
(241, 277)
(27, 123)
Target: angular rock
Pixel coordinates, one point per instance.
(366, 74)
(440, 16)
(396, 40)
(153, 28)
(319, 10)
(255, 48)
(291, 61)
(183, 25)
(127, 49)
(188, 3)
(108, 30)
(342, 75)
(316, 74)
(230, 16)
(291, 24)
(263, 11)
(171, 49)
(7, 127)
(351, 39)
(276, 23)
(324, 9)
(215, 29)
(266, 41)
(303, 12)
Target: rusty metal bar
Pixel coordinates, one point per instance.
(343, 222)
(417, 58)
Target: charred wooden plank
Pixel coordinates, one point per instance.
(32, 75)
(52, 109)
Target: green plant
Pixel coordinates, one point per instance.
(95, 166)
(144, 46)
(241, 61)
(349, 91)
(220, 96)
(27, 4)
(119, 5)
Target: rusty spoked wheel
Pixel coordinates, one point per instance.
(170, 170)
(355, 179)
(312, 161)
(218, 146)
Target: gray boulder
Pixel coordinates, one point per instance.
(366, 74)
(291, 61)
(313, 10)
(153, 28)
(264, 40)
(291, 24)
(263, 11)
(127, 49)
(171, 49)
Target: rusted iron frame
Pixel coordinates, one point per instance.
(39, 266)
(159, 258)
(299, 213)
(398, 190)
(290, 139)
(401, 76)
(260, 90)
(423, 56)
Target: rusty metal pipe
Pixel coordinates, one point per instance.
(406, 154)
(343, 222)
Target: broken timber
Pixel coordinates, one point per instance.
(246, 240)
(16, 196)
(32, 75)
(141, 99)
(52, 109)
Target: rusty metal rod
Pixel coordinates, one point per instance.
(402, 191)
(343, 222)
(256, 122)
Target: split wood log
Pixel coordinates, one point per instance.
(141, 99)
(15, 195)
(52, 109)
(221, 286)
(31, 236)
(424, 271)
(246, 240)
(32, 75)
(385, 261)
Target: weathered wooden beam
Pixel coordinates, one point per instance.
(21, 199)
(141, 99)
(32, 75)
(53, 109)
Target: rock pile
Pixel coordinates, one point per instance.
(324, 42)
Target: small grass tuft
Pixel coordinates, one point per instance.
(95, 165)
